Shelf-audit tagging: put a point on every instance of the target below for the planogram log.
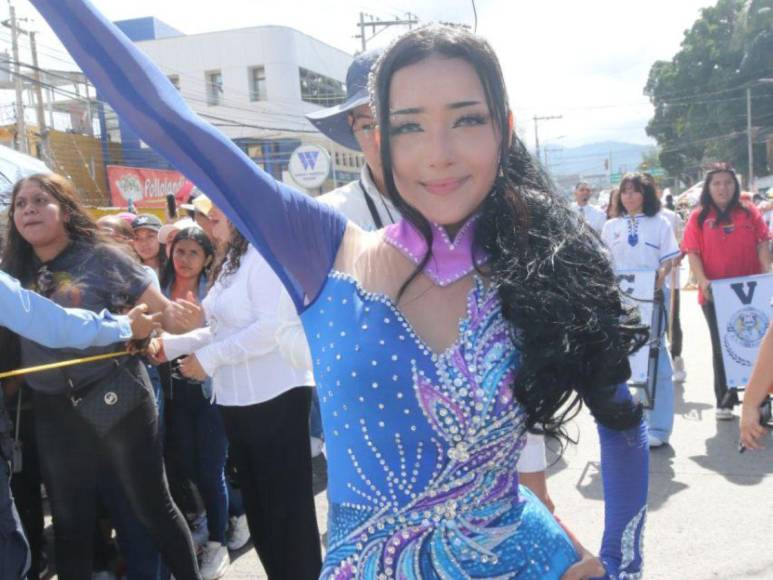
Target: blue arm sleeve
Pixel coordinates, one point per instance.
(625, 473)
(296, 235)
(40, 320)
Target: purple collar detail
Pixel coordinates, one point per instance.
(450, 261)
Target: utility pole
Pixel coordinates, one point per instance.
(21, 129)
(42, 129)
(374, 22)
(749, 139)
(536, 130)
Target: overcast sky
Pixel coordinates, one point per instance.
(586, 60)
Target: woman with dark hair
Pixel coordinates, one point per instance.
(438, 341)
(643, 239)
(145, 242)
(264, 408)
(196, 442)
(723, 239)
(55, 247)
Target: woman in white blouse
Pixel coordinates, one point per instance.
(264, 409)
(642, 239)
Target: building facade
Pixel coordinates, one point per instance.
(254, 84)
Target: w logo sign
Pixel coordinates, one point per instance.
(308, 159)
(309, 166)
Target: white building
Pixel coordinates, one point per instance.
(255, 84)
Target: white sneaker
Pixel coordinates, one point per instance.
(214, 561)
(680, 375)
(724, 414)
(238, 533)
(655, 441)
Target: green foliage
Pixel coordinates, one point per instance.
(700, 95)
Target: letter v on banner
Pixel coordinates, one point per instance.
(745, 297)
(744, 312)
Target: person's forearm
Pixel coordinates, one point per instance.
(763, 253)
(696, 265)
(761, 380)
(45, 322)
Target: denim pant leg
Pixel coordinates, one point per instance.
(198, 437)
(211, 452)
(661, 418)
(143, 560)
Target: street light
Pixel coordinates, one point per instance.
(749, 141)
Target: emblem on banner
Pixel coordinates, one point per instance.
(746, 328)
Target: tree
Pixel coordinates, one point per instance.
(700, 94)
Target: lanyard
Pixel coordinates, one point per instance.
(372, 207)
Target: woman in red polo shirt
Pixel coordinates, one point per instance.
(723, 239)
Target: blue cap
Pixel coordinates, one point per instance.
(334, 121)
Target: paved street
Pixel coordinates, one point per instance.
(710, 508)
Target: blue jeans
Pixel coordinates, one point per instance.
(195, 433)
(661, 418)
(143, 560)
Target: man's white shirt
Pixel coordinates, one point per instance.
(593, 215)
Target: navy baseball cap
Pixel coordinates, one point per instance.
(147, 221)
(334, 121)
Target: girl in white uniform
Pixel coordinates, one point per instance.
(640, 239)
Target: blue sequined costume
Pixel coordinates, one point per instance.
(422, 447)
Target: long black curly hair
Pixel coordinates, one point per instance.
(554, 280)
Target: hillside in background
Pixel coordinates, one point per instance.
(590, 159)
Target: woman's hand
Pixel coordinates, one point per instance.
(705, 285)
(752, 432)
(186, 314)
(662, 273)
(141, 323)
(589, 566)
(191, 368)
(155, 351)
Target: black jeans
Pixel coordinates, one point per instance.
(269, 444)
(726, 398)
(74, 458)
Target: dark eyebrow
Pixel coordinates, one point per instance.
(412, 111)
(452, 106)
(463, 104)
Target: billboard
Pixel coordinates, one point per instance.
(147, 188)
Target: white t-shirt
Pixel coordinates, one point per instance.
(593, 215)
(640, 242)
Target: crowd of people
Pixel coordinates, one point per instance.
(450, 309)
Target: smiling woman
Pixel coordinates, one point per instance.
(438, 341)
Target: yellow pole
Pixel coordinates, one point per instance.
(64, 363)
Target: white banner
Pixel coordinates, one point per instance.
(743, 313)
(639, 288)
